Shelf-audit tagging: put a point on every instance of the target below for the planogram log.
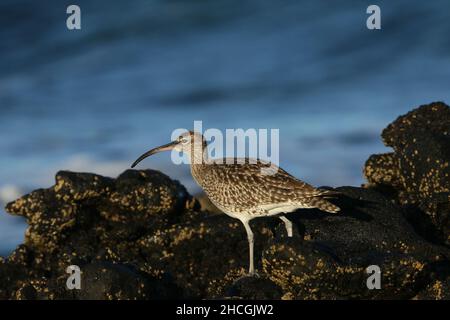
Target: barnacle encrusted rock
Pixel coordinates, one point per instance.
(140, 195)
(437, 290)
(80, 220)
(142, 236)
(383, 170)
(164, 247)
(72, 186)
(334, 251)
(419, 168)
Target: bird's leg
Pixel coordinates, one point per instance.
(251, 269)
(288, 225)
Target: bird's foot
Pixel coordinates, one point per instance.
(253, 274)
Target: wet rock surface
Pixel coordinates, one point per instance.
(142, 236)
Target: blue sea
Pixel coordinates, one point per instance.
(96, 98)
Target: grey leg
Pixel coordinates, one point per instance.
(251, 269)
(288, 225)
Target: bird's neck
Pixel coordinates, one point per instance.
(199, 161)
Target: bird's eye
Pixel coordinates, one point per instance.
(183, 139)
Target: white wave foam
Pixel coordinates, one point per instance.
(9, 193)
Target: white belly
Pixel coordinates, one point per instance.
(264, 210)
(283, 207)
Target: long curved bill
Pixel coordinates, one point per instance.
(165, 147)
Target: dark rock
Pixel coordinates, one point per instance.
(329, 260)
(203, 255)
(418, 170)
(81, 186)
(438, 290)
(254, 288)
(68, 226)
(439, 287)
(142, 236)
(383, 170)
(142, 195)
(108, 281)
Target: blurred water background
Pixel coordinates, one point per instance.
(93, 100)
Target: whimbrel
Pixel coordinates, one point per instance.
(242, 190)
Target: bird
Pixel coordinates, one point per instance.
(246, 188)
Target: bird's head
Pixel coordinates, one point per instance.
(188, 142)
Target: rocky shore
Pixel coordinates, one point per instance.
(142, 236)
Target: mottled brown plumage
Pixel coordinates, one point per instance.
(243, 189)
(247, 188)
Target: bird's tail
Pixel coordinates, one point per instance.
(325, 193)
(321, 203)
(324, 205)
